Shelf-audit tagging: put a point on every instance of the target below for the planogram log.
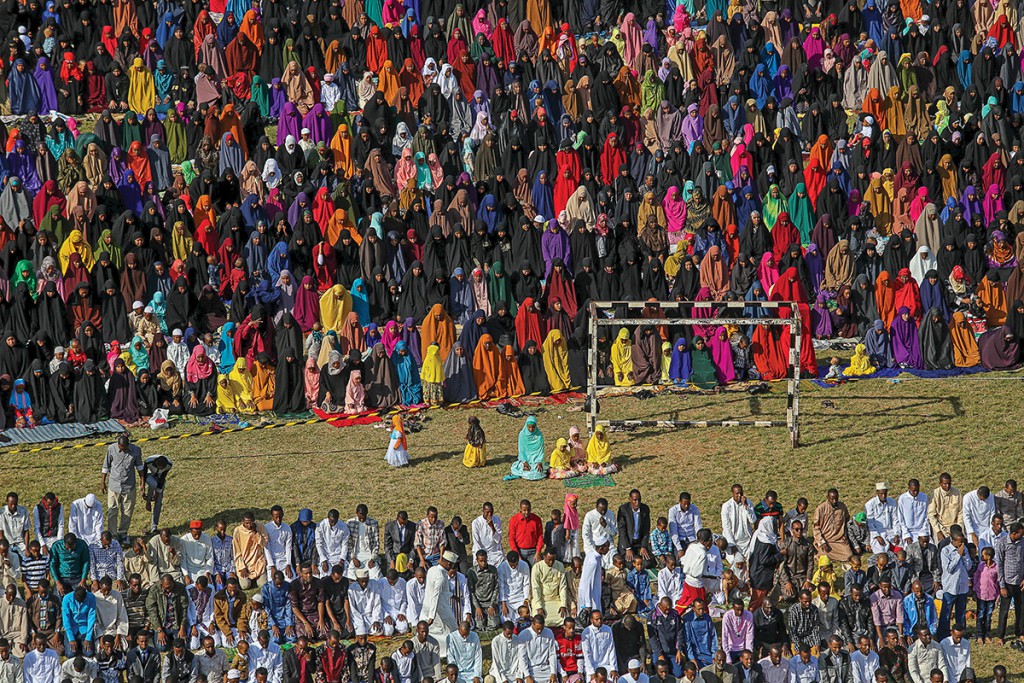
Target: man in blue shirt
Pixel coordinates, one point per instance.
(279, 608)
(700, 634)
(78, 610)
(956, 572)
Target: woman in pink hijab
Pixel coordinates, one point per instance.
(814, 47)
(633, 39)
(481, 25)
(768, 272)
(721, 354)
(675, 214)
(391, 336)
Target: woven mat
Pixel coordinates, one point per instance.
(589, 481)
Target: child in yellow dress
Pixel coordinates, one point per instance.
(475, 454)
(599, 453)
(860, 363)
(561, 465)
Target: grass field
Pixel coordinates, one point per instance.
(852, 436)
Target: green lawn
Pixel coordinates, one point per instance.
(852, 436)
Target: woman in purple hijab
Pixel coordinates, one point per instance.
(319, 124)
(117, 166)
(21, 163)
(815, 267)
(411, 336)
(300, 204)
(906, 344)
(555, 244)
(1000, 349)
(821, 318)
(784, 82)
(278, 98)
(693, 126)
(289, 123)
(47, 93)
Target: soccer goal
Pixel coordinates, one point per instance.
(603, 313)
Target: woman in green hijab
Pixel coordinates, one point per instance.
(704, 375)
(801, 212)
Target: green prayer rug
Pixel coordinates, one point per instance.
(589, 481)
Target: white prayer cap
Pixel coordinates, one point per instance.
(149, 309)
(450, 556)
(90, 500)
(634, 664)
(138, 304)
(258, 598)
(234, 675)
(538, 218)
(304, 131)
(176, 332)
(362, 574)
(881, 486)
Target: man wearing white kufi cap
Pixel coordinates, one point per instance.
(366, 604)
(883, 520)
(437, 601)
(86, 519)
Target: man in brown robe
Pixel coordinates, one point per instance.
(830, 520)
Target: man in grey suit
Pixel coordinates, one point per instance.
(719, 670)
(399, 537)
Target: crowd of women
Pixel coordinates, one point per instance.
(376, 202)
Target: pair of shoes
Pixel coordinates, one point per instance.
(1017, 645)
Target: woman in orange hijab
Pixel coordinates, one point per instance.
(253, 29)
(885, 297)
(230, 122)
(341, 145)
(874, 104)
(388, 83)
(437, 328)
(203, 210)
(487, 362)
(993, 299)
(822, 151)
(965, 346)
(510, 379)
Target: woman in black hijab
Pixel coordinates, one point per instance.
(62, 395)
(39, 389)
(181, 305)
(23, 313)
(333, 383)
(936, 345)
(90, 397)
(124, 400)
(289, 393)
(381, 380)
(414, 300)
(113, 311)
(146, 392)
(288, 336)
(531, 365)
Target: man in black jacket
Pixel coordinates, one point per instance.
(399, 537)
(143, 660)
(667, 637)
(180, 665)
(634, 522)
(854, 616)
(834, 664)
(291, 671)
(747, 670)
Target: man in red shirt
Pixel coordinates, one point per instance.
(570, 651)
(526, 533)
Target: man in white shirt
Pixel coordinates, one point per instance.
(196, 552)
(588, 592)
(11, 667)
(367, 607)
(486, 530)
(264, 652)
(41, 664)
(695, 570)
(864, 662)
(331, 542)
(957, 651)
(279, 548)
(86, 519)
(738, 520)
(363, 544)
(599, 527)
(505, 655)
(414, 591)
(393, 599)
(912, 508)
(15, 524)
(775, 667)
(670, 580)
(513, 584)
(635, 673)
(883, 520)
(979, 506)
(200, 611)
(598, 648)
(111, 614)
(683, 523)
(538, 653)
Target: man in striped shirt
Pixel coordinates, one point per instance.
(34, 567)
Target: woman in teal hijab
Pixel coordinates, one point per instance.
(408, 375)
(424, 180)
(260, 94)
(140, 354)
(159, 306)
(801, 212)
(704, 375)
(530, 463)
(226, 346)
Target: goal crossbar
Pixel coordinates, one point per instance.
(771, 317)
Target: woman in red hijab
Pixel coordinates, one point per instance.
(908, 294)
(567, 179)
(409, 77)
(783, 234)
(503, 42)
(612, 156)
(456, 46)
(48, 196)
(815, 177)
(789, 288)
(376, 50)
(138, 161)
(529, 323)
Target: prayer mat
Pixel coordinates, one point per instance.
(58, 432)
(589, 481)
(346, 420)
(221, 419)
(889, 373)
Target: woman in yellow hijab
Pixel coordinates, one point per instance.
(556, 361)
(225, 395)
(560, 468)
(181, 241)
(860, 363)
(341, 146)
(241, 387)
(75, 243)
(622, 359)
(141, 88)
(599, 452)
(335, 304)
(432, 376)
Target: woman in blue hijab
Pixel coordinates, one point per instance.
(408, 375)
(542, 196)
(680, 369)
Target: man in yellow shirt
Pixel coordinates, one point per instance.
(250, 542)
(549, 590)
(946, 507)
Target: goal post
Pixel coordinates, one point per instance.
(731, 314)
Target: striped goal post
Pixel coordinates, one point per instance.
(598, 318)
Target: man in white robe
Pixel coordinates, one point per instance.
(279, 544)
(912, 507)
(538, 653)
(505, 655)
(599, 526)
(598, 646)
(331, 542)
(883, 520)
(414, 590)
(513, 584)
(979, 506)
(738, 520)
(86, 519)
(487, 533)
(367, 607)
(394, 599)
(588, 593)
(437, 601)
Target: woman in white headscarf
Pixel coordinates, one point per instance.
(764, 559)
(921, 262)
